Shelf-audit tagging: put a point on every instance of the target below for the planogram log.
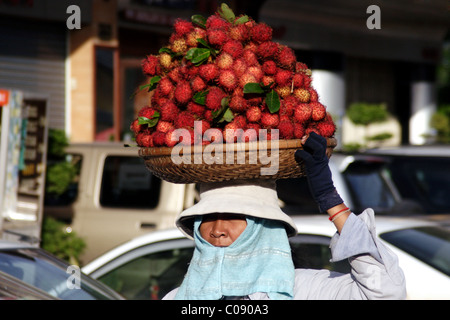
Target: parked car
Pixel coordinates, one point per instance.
(420, 173)
(12, 288)
(114, 198)
(46, 273)
(150, 266)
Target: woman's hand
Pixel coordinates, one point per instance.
(318, 173)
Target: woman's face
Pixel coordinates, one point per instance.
(222, 229)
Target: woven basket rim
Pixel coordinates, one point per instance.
(158, 161)
(239, 146)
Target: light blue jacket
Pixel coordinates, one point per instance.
(375, 271)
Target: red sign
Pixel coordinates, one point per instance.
(4, 97)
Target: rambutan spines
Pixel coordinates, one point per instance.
(182, 27)
(261, 32)
(245, 53)
(183, 92)
(151, 66)
(228, 80)
(214, 98)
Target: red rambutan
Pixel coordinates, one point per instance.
(249, 135)
(297, 79)
(234, 48)
(253, 114)
(246, 78)
(268, 49)
(183, 27)
(208, 71)
(144, 139)
(166, 86)
(286, 57)
(299, 130)
(224, 61)
(303, 95)
(269, 67)
(198, 84)
(169, 111)
(287, 105)
(239, 67)
(196, 109)
(239, 32)
(159, 138)
(249, 57)
(164, 126)
(136, 127)
(302, 112)
(151, 66)
(269, 120)
(171, 138)
(185, 119)
(283, 77)
(216, 22)
(261, 32)
(147, 112)
(238, 103)
(286, 128)
(318, 111)
(217, 37)
(256, 72)
(183, 92)
(240, 121)
(313, 95)
(268, 81)
(232, 133)
(214, 98)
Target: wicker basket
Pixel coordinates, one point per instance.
(257, 160)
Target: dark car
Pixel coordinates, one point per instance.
(420, 173)
(41, 270)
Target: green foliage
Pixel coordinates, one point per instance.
(57, 142)
(366, 113)
(65, 245)
(59, 177)
(441, 123)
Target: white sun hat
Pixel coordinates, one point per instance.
(256, 198)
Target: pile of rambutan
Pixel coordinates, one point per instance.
(226, 72)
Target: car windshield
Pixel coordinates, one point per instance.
(424, 179)
(40, 270)
(368, 187)
(428, 244)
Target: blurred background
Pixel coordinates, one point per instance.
(69, 71)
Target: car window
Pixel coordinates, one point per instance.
(313, 252)
(368, 187)
(424, 179)
(295, 196)
(126, 183)
(38, 269)
(428, 244)
(150, 276)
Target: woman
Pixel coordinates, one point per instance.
(242, 249)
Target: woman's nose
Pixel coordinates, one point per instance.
(219, 229)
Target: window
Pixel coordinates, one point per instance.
(428, 244)
(313, 252)
(152, 275)
(424, 179)
(126, 183)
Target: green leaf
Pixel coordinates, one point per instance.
(198, 55)
(200, 97)
(152, 84)
(273, 101)
(150, 122)
(228, 115)
(253, 87)
(241, 20)
(199, 20)
(166, 50)
(204, 43)
(226, 13)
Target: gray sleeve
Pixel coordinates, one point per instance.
(375, 271)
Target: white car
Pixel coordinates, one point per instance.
(151, 265)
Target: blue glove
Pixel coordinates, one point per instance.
(318, 172)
